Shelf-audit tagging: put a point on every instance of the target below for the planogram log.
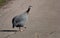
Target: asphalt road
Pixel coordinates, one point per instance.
(43, 22)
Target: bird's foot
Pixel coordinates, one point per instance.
(21, 30)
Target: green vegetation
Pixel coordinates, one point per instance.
(2, 2)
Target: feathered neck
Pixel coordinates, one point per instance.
(28, 10)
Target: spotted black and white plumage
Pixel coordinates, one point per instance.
(19, 20)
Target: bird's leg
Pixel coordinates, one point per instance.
(20, 29)
(25, 27)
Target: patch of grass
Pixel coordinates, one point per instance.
(2, 2)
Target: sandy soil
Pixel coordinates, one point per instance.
(44, 19)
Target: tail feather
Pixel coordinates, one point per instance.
(13, 22)
(13, 26)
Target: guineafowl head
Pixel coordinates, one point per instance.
(30, 6)
(28, 9)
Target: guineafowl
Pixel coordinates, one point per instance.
(19, 20)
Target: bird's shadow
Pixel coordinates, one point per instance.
(8, 30)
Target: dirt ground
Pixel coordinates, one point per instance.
(43, 22)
